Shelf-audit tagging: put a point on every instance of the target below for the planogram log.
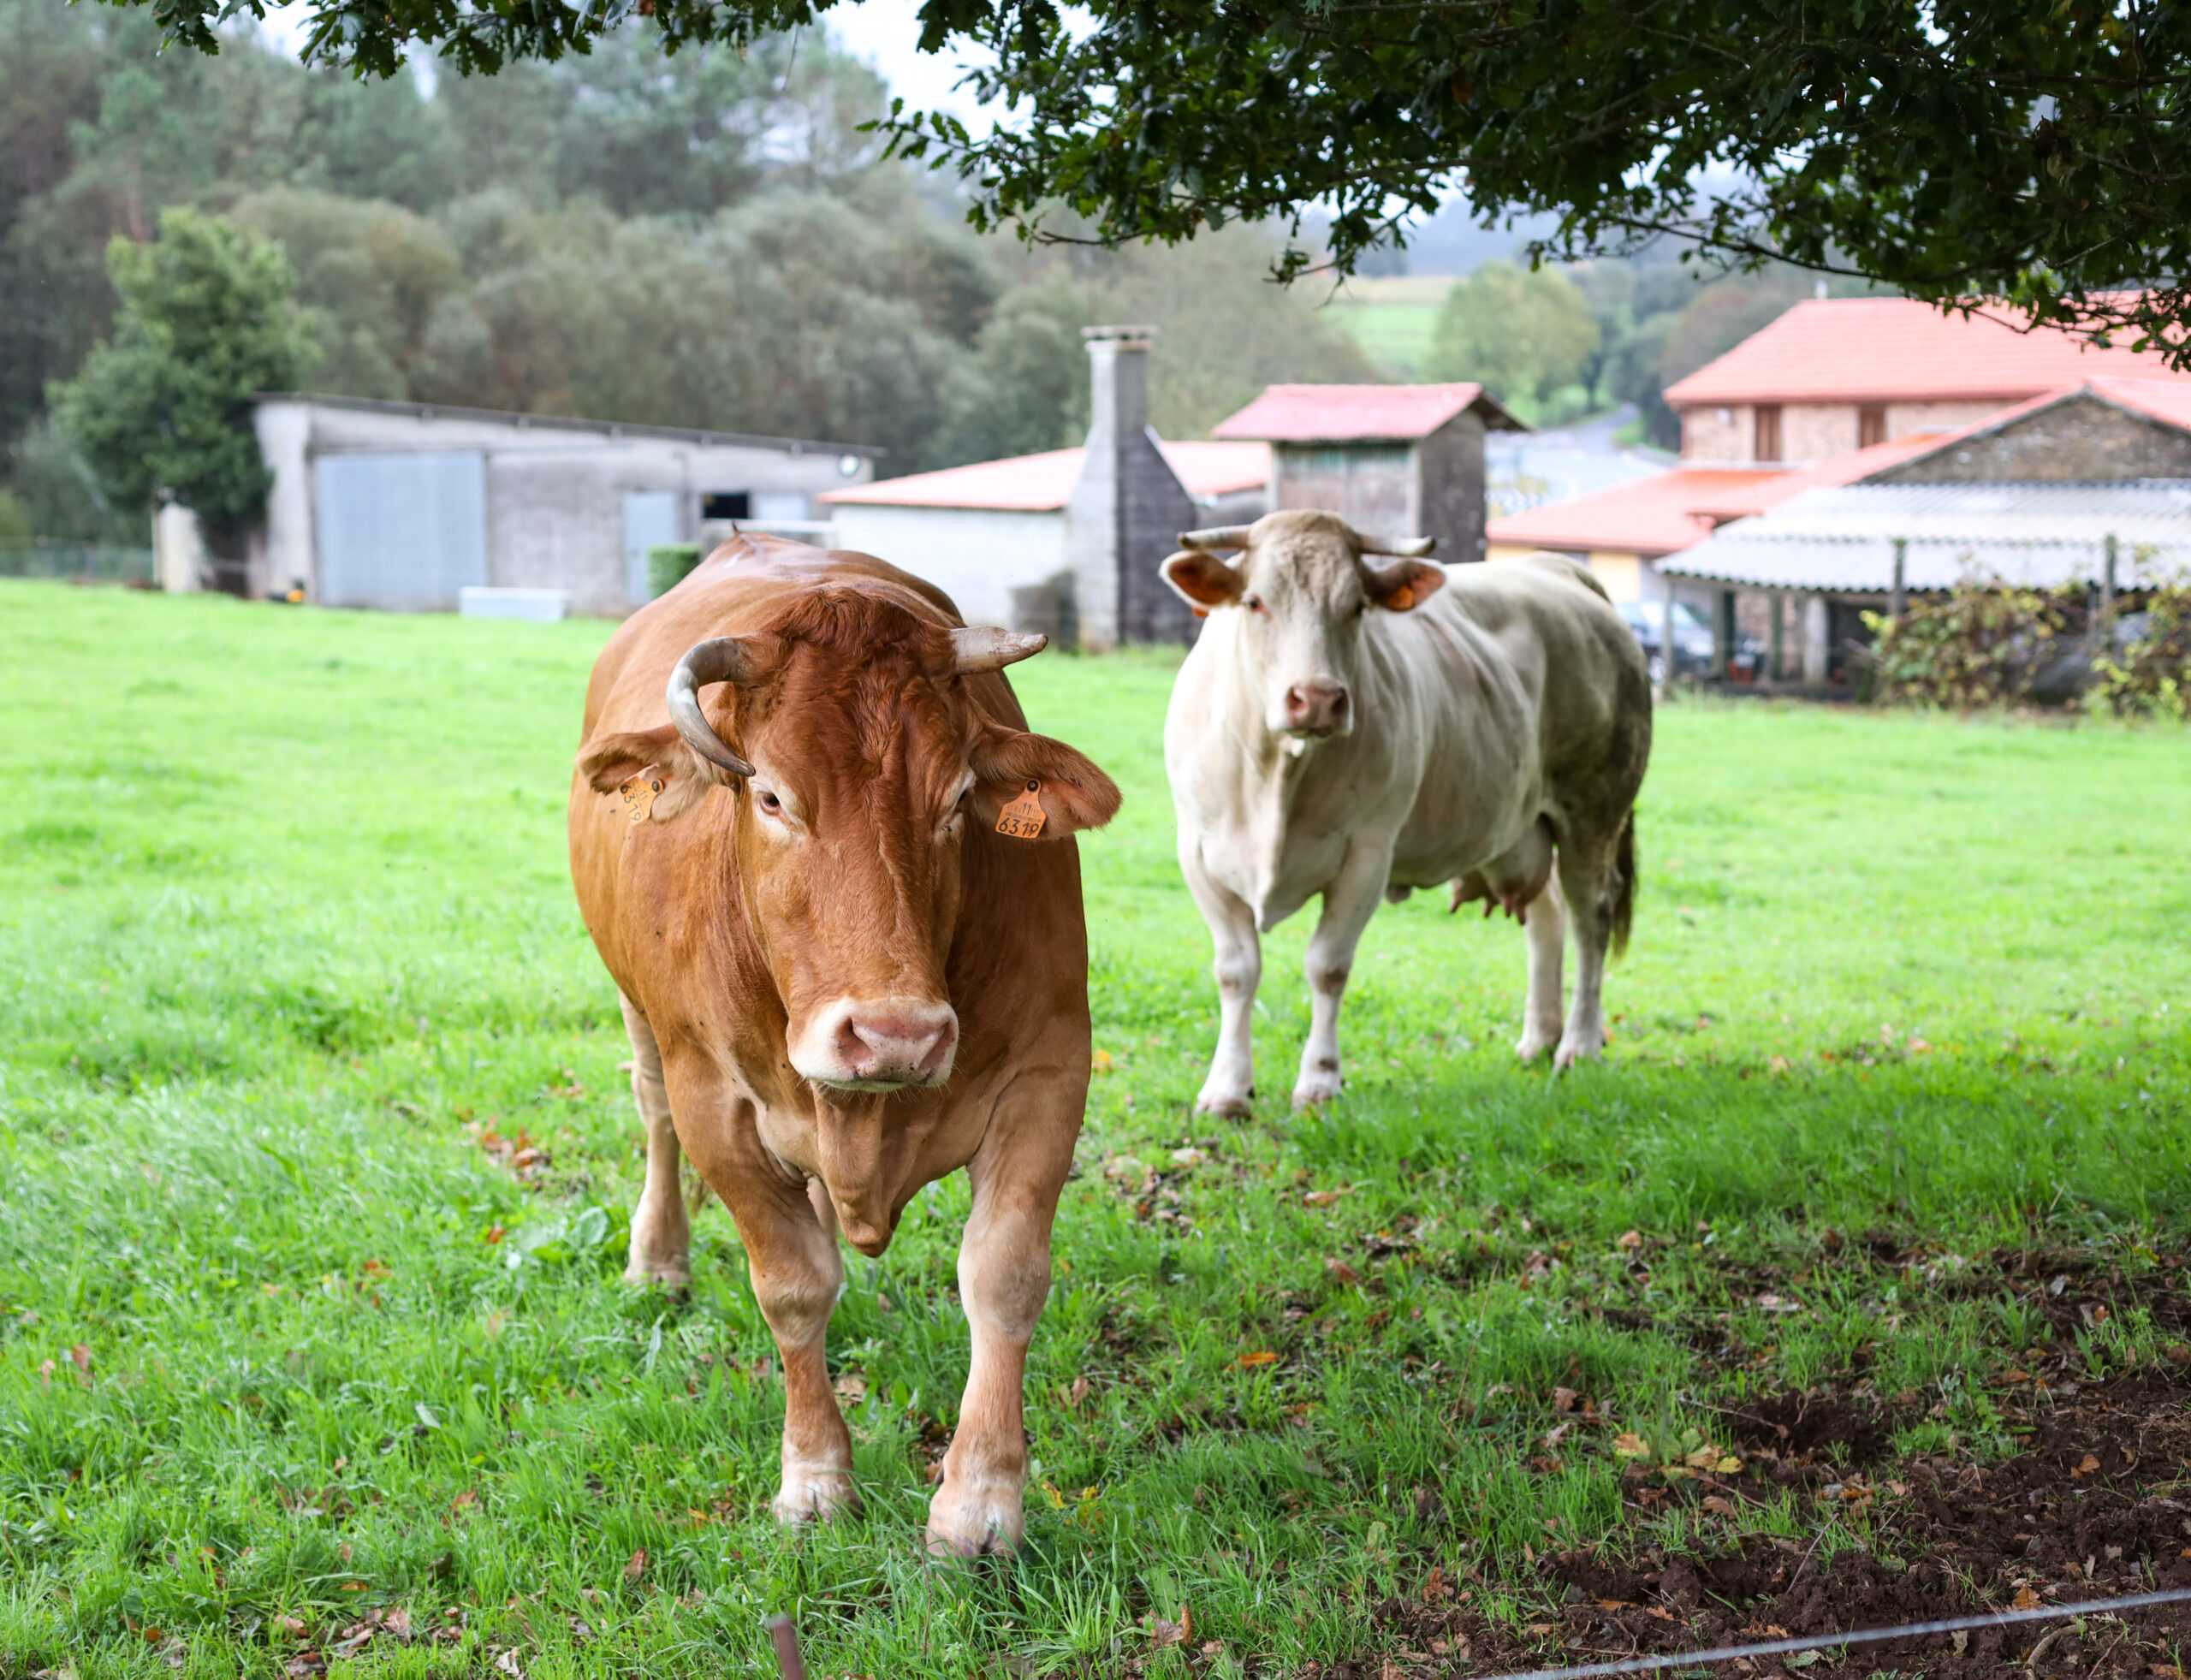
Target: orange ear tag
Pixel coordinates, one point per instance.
(640, 791)
(1024, 817)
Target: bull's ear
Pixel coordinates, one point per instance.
(1013, 768)
(1403, 587)
(1202, 579)
(609, 762)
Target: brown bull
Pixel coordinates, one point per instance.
(842, 906)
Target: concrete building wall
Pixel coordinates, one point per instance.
(2082, 439)
(555, 489)
(1126, 512)
(1814, 431)
(976, 555)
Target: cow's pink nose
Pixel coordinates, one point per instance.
(897, 1042)
(1315, 708)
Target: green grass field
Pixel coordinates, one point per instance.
(1394, 318)
(295, 1368)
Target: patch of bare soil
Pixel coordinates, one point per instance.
(2095, 1504)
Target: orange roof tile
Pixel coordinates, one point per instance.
(1041, 484)
(1360, 414)
(1650, 516)
(1900, 350)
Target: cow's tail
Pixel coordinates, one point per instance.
(1624, 904)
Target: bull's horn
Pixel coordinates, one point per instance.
(1217, 536)
(725, 659)
(982, 648)
(1407, 548)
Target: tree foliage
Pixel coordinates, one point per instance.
(1525, 334)
(208, 317)
(1954, 149)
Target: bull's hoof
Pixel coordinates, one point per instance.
(1533, 1046)
(1228, 1107)
(975, 1522)
(818, 1496)
(1315, 1089)
(669, 1271)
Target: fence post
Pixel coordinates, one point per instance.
(1666, 637)
(1780, 611)
(1899, 601)
(2105, 639)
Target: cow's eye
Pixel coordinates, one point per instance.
(1254, 603)
(771, 804)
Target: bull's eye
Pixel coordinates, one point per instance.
(1254, 603)
(771, 804)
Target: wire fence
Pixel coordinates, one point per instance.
(77, 562)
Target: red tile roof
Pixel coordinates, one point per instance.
(1041, 484)
(1648, 516)
(1900, 350)
(1360, 414)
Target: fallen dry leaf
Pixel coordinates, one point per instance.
(1181, 1632)
(1079, 1391)
(1260, 1356)
(463, 1501)
(1629, 1241)
(638, 1566)
(1629, 1444)
(1562, 1399)
(2087, 1467)
(1319, 1198)
(2025, 1599)
(1345, 1273)
(82, 1354)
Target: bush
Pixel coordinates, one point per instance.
(1984, 644)
(667, 565)
(2144, 675)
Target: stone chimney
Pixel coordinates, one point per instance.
(1126, 512)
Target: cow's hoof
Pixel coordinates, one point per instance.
(1568, 1054)
(1320, 1089)
(1230, 1107)
(1532, 1045)
(974, 1523)
(819, 1496)
(646, 1270)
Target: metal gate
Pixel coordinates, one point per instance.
(401, 533)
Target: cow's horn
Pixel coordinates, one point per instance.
(1407, 548)
(985, 648)
(1217, 536)
(724, 659)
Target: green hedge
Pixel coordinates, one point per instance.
(668, 563)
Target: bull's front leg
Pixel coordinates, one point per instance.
(1238, 967)
(1349, 903)
(1004, 1278)
(1545, 924)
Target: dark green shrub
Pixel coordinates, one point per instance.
(667, 565)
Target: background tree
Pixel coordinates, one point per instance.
(208, 317)
(1527, 335)
(1965, 149)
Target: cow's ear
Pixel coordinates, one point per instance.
(1203, 580)
(609, 761)
(1029, 773)
(1402, 587)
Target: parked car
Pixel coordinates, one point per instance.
(1692, 637)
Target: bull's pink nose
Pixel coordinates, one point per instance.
(1315, 708)
(897, 1044)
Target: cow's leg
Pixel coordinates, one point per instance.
(1239, 966)
(1589, 878)
(1545, 924)
(662, 1234)
(1349, 903)
(1004, 1277)
(789, 1231)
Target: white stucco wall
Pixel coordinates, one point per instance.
(976, 555)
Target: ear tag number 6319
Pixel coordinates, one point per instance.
(1024, 817)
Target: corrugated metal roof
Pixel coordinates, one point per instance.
(1041, 484)
(1359, 414)
(1900, 350)
(1842, 539)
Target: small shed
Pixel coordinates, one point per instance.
(1397, 459)
(401, 506)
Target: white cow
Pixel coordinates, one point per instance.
(1356, 730)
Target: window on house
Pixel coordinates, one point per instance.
(1766, 444)
(1871, 424)
(727, 505)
